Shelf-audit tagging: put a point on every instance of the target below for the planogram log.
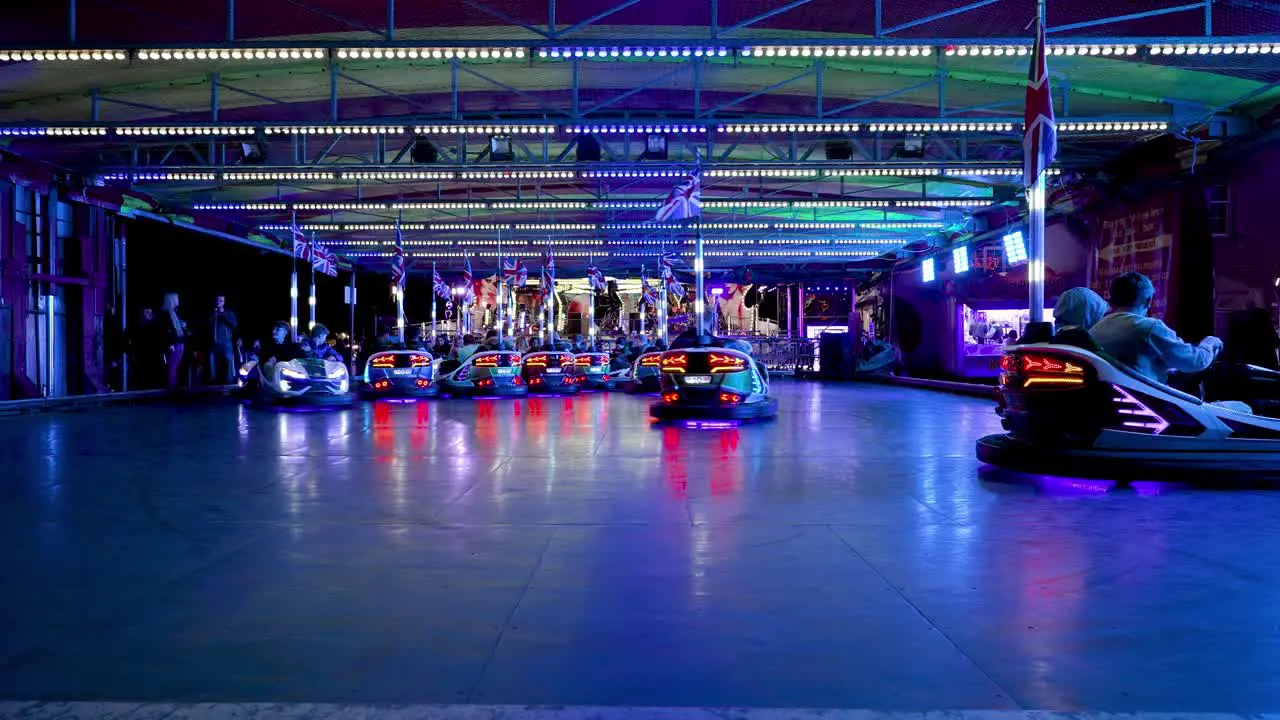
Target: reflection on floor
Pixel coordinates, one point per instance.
(565, 551)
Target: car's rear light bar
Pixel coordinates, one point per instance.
(675, 363)
(539, 360)
(382, 361)
(653, 361)
(419, 361)
(724, 362)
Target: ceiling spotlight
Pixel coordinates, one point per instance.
(655, 146)
(500, 149)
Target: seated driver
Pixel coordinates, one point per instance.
(279, 348)
(1144, 343)
(1075, 314)
(320, 347)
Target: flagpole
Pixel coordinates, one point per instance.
(434, 298)
(1035, 207)
(311, 301)
(351, 341)
(502, 269)
(641, 304)
(293, 281)
(591, 305)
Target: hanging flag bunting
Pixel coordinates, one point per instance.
(685, 200)
(399, 273)
(437, 282)
(514, 273)
(596, 279)
(1040, 143)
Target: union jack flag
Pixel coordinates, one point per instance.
(549, 277)
(648, 294)
(301, 248)
(323, 259)
(470, 295)
(442, 290)
(669, 275)
(596, 278)
(399, 271)
(515, 273)
(685, 200)
(1040, 143)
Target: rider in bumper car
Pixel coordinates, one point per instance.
(706, 378)
(1098, 404)
(288, 375)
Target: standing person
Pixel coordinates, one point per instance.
(175, 331)
(147, 342)
(222, 327)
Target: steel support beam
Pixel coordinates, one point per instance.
(476, 5)
(757, 93)
(645, 86)
(593, 19)
(932, 18)
(541, 103)
(880, 98)
(1125, 18)
(71, 21)
(383, 91)
(391, 21)
(765, 16)
(231, 21)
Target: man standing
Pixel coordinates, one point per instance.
(222, 346)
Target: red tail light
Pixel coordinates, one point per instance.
(670, 397)
(675, 363)
(729, 398)
(517, 380)
(484, 382)
(724, 362)
(423, 382)
(382, 385)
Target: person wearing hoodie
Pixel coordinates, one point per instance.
(1075, 314)
(1144, 343)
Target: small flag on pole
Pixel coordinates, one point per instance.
(1040, 143)
(669, 276)
(596, 278)
(398, 270)
(685, 200)
(470, 295)
(648, 294)
(514, 273)
(301, 248)
(437, 282)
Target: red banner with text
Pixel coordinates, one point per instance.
(1140, 237)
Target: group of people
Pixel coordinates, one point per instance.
(161, 341)
(162, 345)
(1124, 331)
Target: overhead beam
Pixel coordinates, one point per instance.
(1126, 18)
(931, 18)
(763, 16)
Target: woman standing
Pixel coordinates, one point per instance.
(176, 332)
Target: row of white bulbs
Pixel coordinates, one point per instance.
(600, 243)
(714, 253)
(488, 130)
(272, 54)
(573, 227)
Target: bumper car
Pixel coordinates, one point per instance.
(550, 372)
(491, 373)
(593, 372)
(646, 374)
(399, 374)
(712, 383)
(1070, 411)
(303, 383)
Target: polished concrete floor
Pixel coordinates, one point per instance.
(566, 552)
